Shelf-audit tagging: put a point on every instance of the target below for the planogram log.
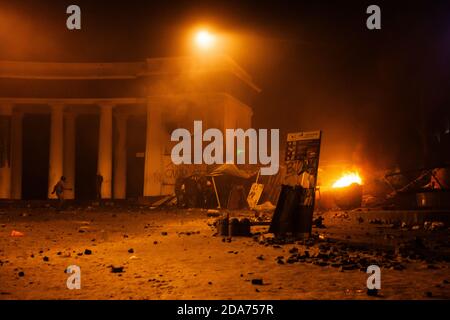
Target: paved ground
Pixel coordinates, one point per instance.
(189, 262)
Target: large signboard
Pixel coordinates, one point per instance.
(293, 214)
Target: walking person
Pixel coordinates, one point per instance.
(59, 190)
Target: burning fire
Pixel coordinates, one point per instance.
(348, 179)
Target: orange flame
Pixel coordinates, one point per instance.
(348, 179)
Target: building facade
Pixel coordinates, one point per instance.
(112, 119)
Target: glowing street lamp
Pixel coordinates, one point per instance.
(204, 39)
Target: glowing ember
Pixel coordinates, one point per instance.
(348, 179)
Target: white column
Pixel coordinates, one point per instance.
(104, 164)
(55, 169)
(5, 164)
(16, 155)
(69, 153)
(153, 175)
(120, 158)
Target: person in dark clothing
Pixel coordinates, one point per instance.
(59, 190)
(180, 192)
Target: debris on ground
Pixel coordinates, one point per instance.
(213, 213)
(16, 233)
(117, 269)
(266, 206)
(322, 251)
(258, 282)
(318, 222)
(372, 292)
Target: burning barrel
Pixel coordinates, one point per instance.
(347, 192)
(349, 197)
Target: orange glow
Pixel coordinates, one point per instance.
(204, 39)
(348, 179)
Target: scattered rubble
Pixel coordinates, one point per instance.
(117, 269)
(258, 282)
(323, 252)
(318, 222)
(16, 233)
(372, 292)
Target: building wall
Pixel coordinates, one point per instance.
(168, 93)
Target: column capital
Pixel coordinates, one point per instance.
(56, 106)
(106, 105)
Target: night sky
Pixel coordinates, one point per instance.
(377, 95)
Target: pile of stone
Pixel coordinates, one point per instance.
(345, 256)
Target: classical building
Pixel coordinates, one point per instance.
(112, 119)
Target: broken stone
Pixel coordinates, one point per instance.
(46, 259)
(348, 267)
(117, 269)
(87, 251)
(437, 225)
(258, 282)
(293, 250)
(372, 292)
(322, 263)
(291, 260)
(164, 233)
(318, 223)
(131, 250)
(21, 274)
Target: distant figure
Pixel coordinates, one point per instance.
(180, 192)
(59, 190)
(99, 181)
